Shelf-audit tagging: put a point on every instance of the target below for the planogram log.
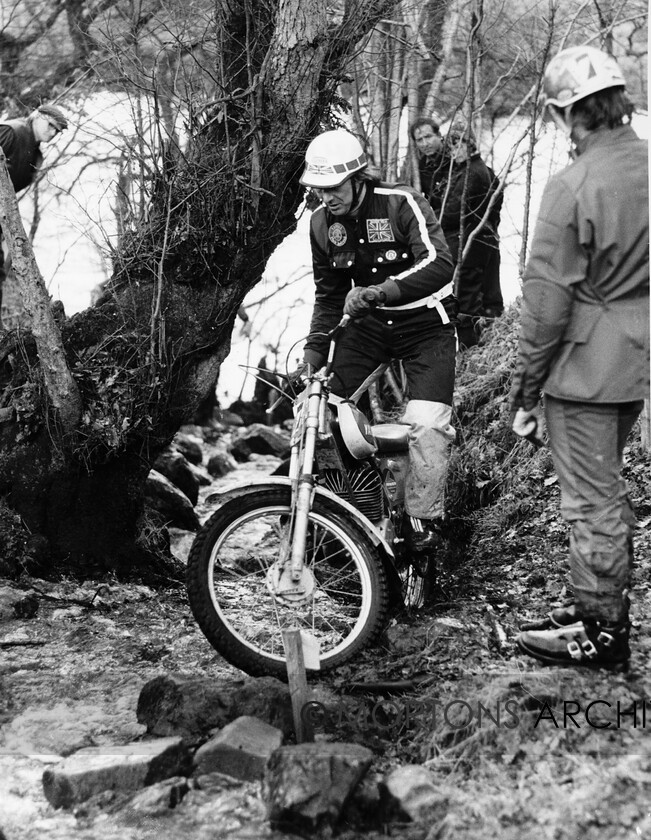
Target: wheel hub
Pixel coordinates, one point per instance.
(287, 591)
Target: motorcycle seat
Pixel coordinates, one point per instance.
(391, 437)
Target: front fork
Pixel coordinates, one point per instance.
(303, 486)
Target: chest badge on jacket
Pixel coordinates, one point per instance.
(337, 234)
(379, 230)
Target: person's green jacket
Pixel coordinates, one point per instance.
(585, 311)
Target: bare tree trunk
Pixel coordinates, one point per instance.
(645, 425)
(61, 388)
(449, 34)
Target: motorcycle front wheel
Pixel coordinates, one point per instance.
(232, 581)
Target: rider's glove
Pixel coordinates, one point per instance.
(527, 423)
(295, 378)
(360, 299)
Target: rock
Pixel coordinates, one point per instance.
(306, 786)
(174, 465)
(220, 464)
(121, 768)
(190, 446)
(173, 505)
(200, 473)
(250, 411)
(15, 603)
(409, 792)
(216, 783)
(260, 440)
(365, 807)
(228, 417)
(192, 706)
(241, 749)
(159, 798)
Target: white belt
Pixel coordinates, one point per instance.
(432, 301)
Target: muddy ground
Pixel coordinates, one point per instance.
(518, 751)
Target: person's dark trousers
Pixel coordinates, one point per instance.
(492, 298)
(587, 443)
(3, 275)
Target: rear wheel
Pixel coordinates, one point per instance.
(233, 583)
(416, 584)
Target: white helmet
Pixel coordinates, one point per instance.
(331, 158)
(578, 72)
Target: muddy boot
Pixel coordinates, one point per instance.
(588, 642)
(562, 616)
(559, 617)
(423, 540)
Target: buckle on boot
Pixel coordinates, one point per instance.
(583, 650)
(606, 639)
(589, 649)
(574, 649)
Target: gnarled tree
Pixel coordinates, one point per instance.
(217, 204)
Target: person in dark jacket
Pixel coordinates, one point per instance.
(379, 256)
(432, 163)
(584, 341)
(20, 140)
(460, 200)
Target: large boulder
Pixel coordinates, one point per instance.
(174, 465)
(193, 706)
(307, 786)
(190, 446)
(260, 440)
(241, 749)
(170, 502)
(16, 603)
(123, 768)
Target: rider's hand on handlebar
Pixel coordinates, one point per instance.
(296, 378)
(360, 300)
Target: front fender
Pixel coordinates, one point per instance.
(338, 505)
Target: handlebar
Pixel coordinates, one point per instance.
(333, 335)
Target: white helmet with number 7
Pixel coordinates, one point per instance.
(578, 72)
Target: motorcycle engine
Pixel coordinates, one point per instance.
(361, 486)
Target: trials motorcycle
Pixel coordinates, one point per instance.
(320, 549)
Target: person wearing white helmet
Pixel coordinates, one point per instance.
(584, 341)
(379, 255)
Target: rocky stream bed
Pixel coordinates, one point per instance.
(466, 739)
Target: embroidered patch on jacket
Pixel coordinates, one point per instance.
(379, 230)
(337, 234)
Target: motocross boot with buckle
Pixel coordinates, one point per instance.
(588, 643)
(562, 616)
(559, 617)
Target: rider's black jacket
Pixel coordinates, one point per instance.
(395, 234)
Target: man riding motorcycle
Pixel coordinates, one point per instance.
(379, 256)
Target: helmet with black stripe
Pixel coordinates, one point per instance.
(332, 158)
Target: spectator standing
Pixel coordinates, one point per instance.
(584, 341)
(460, 202)
(432, 165)
(20, 140)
